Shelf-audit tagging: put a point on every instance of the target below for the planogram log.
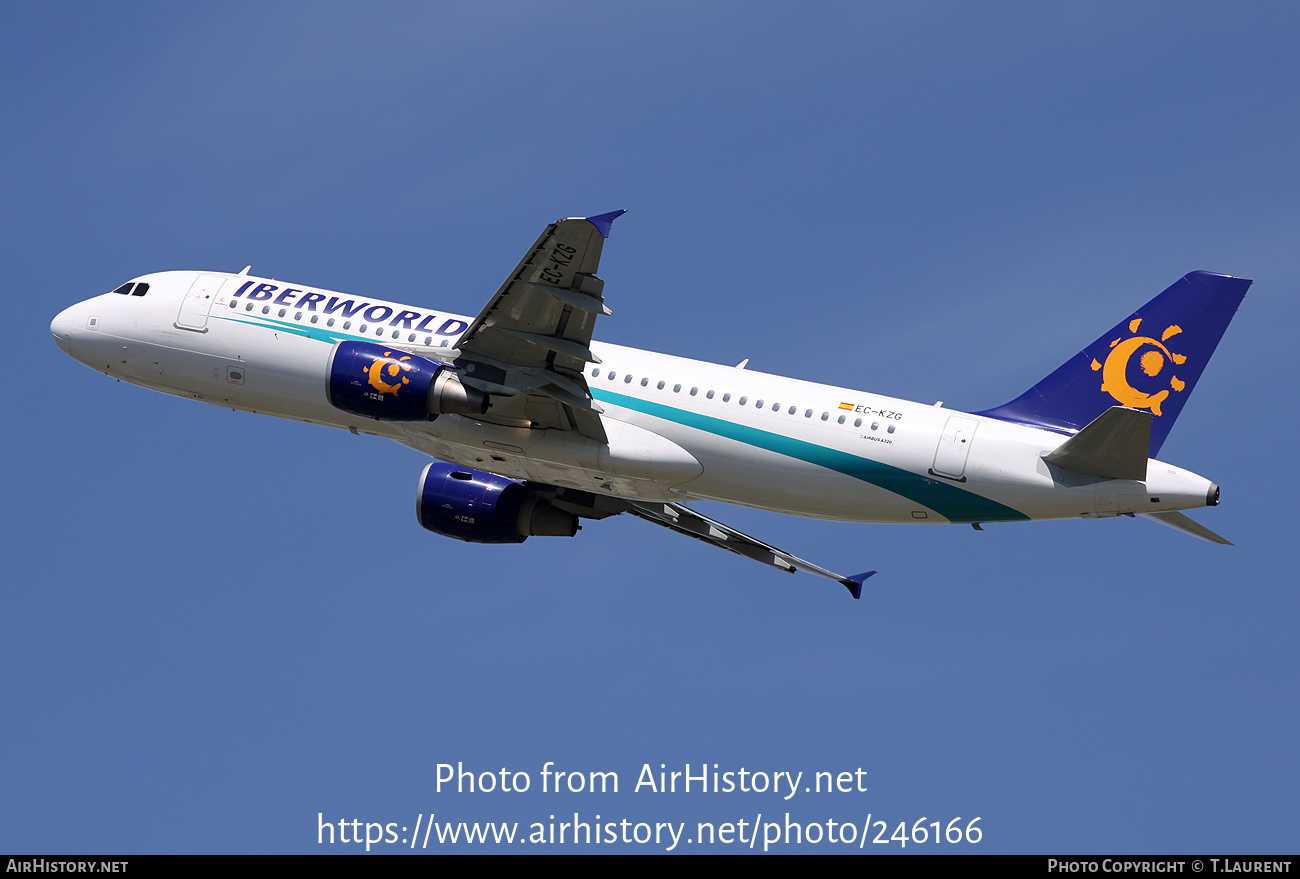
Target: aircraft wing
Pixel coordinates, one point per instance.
(530, 345)
(686, 521)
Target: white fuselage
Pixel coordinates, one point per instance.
(677, 428)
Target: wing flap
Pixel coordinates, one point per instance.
(577, 299)
(557, 344)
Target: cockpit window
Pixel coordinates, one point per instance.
(125, 288)
(139, 289)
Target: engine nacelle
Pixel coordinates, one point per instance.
(389, 384)
(480, 507)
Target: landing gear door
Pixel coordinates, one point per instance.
(198, 302)
(954, 446)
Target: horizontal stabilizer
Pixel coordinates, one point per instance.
(1113, 446)
(1188, 526)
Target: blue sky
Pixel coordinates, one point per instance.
(220, 625)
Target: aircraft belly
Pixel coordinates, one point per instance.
(497, 456)
(635, 464)
(740, 473)
(769, 481)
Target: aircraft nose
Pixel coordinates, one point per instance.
(61, 329)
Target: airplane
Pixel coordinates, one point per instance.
(534, 426)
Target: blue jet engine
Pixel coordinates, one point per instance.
(389, 384)
(480, 507)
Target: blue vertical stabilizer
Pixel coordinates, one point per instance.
(1150, 361)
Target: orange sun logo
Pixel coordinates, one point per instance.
(1114, 372)
(378, 368)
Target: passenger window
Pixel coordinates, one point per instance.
(709, 395)
(677, 389)
(726, 398)
(792, 410)
(857, 422)
(840, 420)
(627, 379)
(298, 316)
(694, 391)
(660, 386)
(891, 429)
(250, 307)
(644, 382)
(282, 312)
(826, 416)
(758, 404)
(595, 373)
(875, 425)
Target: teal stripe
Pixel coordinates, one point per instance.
(956, 504)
